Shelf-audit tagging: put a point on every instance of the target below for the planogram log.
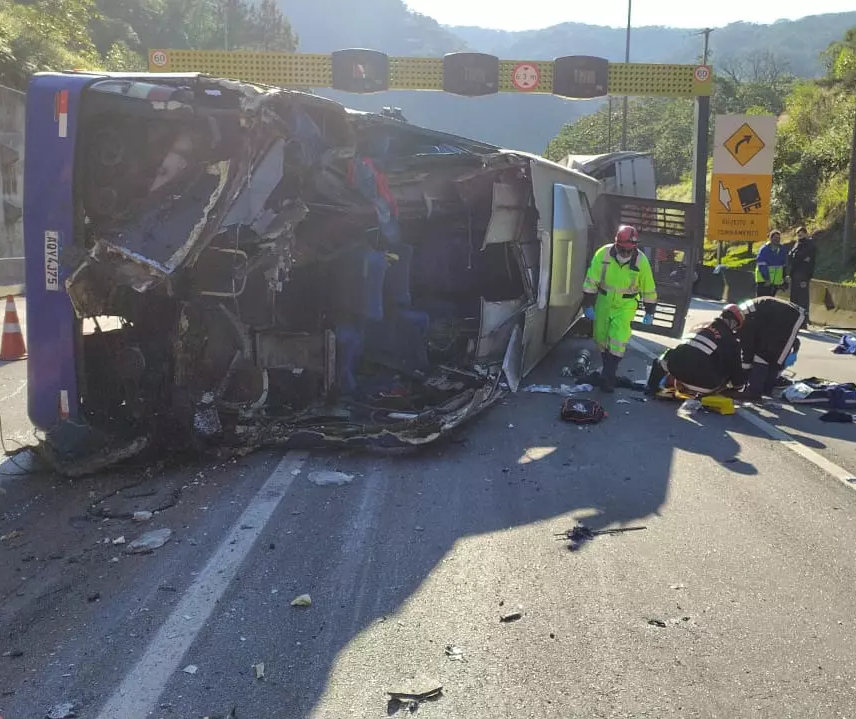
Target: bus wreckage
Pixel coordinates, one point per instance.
(242, 267)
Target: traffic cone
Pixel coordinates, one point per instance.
(12, 346)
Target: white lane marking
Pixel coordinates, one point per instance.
(15, 393)
(141, 688)
(841, 474)
(818, 460)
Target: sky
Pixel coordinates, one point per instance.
(536, 14)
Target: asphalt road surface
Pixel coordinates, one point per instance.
(735, 600)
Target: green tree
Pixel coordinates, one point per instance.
(813, 146)
(661, 126)
(45, 35)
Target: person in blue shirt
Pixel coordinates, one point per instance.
(771, 266)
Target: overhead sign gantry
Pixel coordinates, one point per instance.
(468, 74)
(465, 73)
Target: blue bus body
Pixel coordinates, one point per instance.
(48, 231)
(283, 271)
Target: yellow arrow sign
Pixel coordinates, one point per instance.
(744, 144)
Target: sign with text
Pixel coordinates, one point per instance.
(742, 183)
(739, 207)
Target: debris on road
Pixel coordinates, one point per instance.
(564, 390)
(411, 701)
(689, 407)
(304, 600)
(678, 586)
(143, 516)
(511, 617)
(119, 540)
(582, 364)
(190, 669)
(63, 710)
(14, 534)
(580, 534)
(326, 478)
(259, 671)
(94, 597)
(150, 541)
(456, 654)
(233, 713)
(582, 411)
(14, 653)
(657, 623)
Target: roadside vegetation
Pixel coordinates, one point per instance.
(37, 35)
(816, 120)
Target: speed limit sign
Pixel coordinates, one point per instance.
(159, 58)
(526, 76)
(702, 73)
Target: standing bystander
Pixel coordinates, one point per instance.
(770, 267)
(802, 259)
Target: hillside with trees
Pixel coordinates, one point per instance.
(816, 120)
(116, 34)
(56, 34)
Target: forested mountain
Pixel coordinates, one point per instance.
(56, 34)
(796, 44)
(530, 122)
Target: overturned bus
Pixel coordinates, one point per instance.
(216, 264)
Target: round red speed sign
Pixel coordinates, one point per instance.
(702, 73)
(525, 76)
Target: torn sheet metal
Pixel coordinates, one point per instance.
(289, 273)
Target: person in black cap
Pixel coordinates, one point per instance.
(802, 259)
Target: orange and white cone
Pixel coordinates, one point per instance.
(12, 345)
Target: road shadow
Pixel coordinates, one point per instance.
(383, 537)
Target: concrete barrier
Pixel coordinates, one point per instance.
(833, 304)
(739, 285)
(709, 284)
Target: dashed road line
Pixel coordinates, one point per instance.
(141, 688)
(844, 476)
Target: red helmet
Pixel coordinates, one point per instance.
(627, 238)
(733, 312)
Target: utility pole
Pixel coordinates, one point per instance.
(720, 246)
(626, 60)
(850, 211)
(706, 32)
(226, 24)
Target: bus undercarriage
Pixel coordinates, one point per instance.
(276, 270)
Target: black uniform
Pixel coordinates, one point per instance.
(802, 259)
(707, 360)
(769, 332)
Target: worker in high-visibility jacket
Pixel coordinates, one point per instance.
(771, 267)
(618, 276)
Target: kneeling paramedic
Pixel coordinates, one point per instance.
(618, 276)
(769, 341)
(707, 360)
